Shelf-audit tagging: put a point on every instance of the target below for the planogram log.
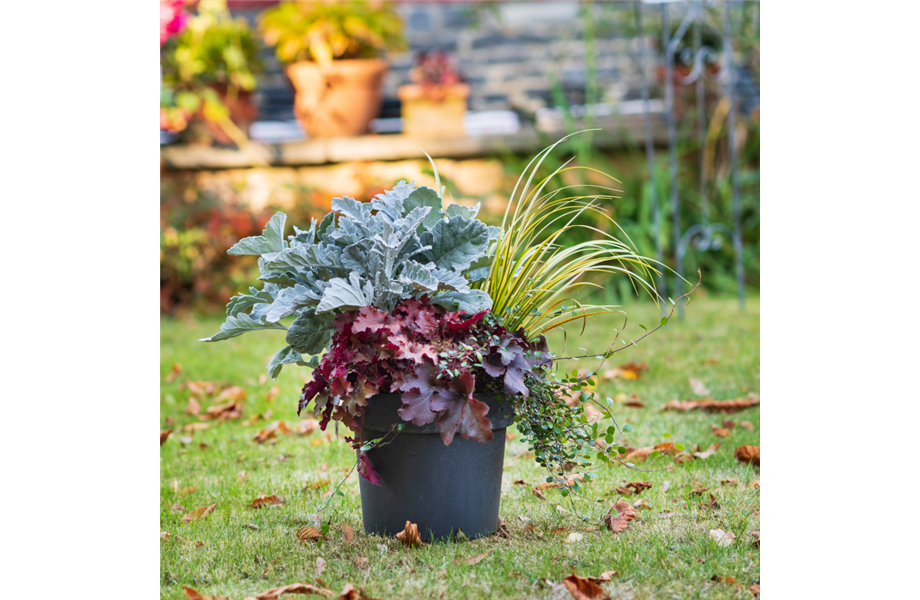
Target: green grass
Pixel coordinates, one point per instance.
(655, 557)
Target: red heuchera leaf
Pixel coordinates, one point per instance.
(430, 355)
(366, 470)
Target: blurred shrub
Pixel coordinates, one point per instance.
(196, 229)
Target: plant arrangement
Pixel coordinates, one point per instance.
(435, 102)
(409, 298)
(333, 52)
(209, 72)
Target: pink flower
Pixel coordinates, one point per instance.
(172, 18)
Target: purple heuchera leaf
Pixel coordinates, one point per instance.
(418, 388)
(460, 412)
(366, 470)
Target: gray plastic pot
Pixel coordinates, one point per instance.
(441, 489)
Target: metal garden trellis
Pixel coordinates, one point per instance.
(703, 236)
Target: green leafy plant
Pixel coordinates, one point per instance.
(327, 31)
(214, 54)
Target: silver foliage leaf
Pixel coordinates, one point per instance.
(271, 240)
(238, 325)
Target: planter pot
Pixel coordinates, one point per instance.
(439, 488)
(243, 112)
(433, 112)
(337, 99)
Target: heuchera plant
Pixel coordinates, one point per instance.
(436, 358)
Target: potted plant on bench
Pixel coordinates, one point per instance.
(424, 328)
(333, 50)
(434, 103)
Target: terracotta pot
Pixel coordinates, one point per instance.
(337, 99)
(433, 111)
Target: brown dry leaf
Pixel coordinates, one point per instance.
(726, 579)
(748, 454)
(699, 491)
(719, 432)
(199, 513)
(193, 427)
(631, 370)
(584, 589)
(233, 393)
(472, 560)
(176, 508)
(318, 484)
(722, 538)
(518, 482)
(603, 577)
(730, 481)
(698, 387)
(193, 407)
(708, 404)
(728, 424)
(529, 528)
(272, 393)
(635, 404)
(755, 589)
(174, 372)
(192, 594)
(264, 500)
(641, 454)
(641, 503)
(502, 530)
(666, 515)
(203, 446)
(164, 433)
(755, 484)
(712, 504)
(409, 536)
(305, 534)
(559, 530)
(271, 431)
(200, 388)
(747, 425)
(756, 536)
(349, 532)
(709, 451)
(349, 593)
(568, 481)
(188, 490)
(626, 513)
(224, 412)
(307, 426)
(294, 588)
(323, 439)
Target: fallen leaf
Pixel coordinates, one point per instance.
(409, 536)
(307, 426)
(698, 387)
(699, 491)
(603, 577)
(349, 593)
(748, 454)
(472, 560)
(635, 404)
(252, 526)
(529, 528)
(720, 432)
(305, 534)
(320, 565)
(518, 482)
(755, 589)
(502, 530)
(294, 588)
(536, 492)
(756, 536)
(708, 404)
(193, 594)
(319, 483)
(199, 513)
(710, 361)
(264, 500)
(641, 503)
(634, 487)
(200, 388)
(730, 481)
(559, 530)
(574, 537)
(747, 425)
(708, 452)
(324, 439)
(666, 515)
(349, 532)
(185, 440)
(174, 372)
(193, 408)
(584, 589)
(271, 431)
(164, 434)
(728, 424)
(272, 393)
(726, 579)
(523, 519)
(224, 412)
(188, 490)
(193, 427)
(755, 484)
(176, 508)
(164, 535)
(712, 504)
(722, 538)
(625, 514)
(641, 454)
(233, 394)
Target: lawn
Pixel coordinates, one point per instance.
(666, 552)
